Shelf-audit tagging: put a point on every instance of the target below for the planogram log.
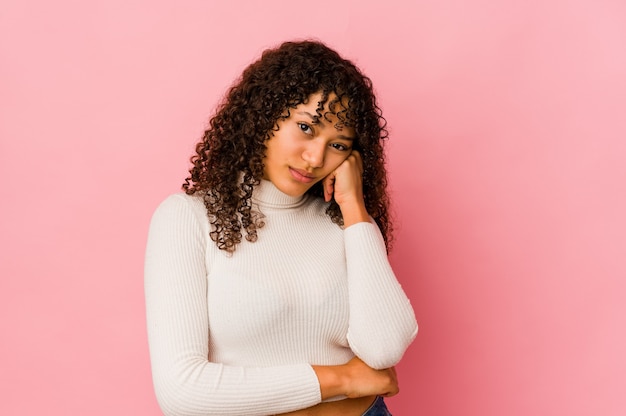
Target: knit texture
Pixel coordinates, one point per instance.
(237, 334)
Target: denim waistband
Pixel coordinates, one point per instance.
(378, 408)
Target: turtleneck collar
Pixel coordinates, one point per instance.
(267, 195)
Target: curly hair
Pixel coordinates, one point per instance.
(228, 163)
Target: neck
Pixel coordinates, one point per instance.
(267, 195)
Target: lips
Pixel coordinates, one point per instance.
(301, 175)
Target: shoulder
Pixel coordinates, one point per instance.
(180, 200)
(181, 208)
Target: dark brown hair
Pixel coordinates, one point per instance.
(229, 159)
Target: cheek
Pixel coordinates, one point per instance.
(333, 161)
(274, 151)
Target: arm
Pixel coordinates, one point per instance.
(185, 382)
(382, 322)
(356, 379)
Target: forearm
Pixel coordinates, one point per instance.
(354, 212)
(194, 387)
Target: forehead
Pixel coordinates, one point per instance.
(327, 110)
(331, 102)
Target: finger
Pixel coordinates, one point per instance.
(328, 185)
(359, 160)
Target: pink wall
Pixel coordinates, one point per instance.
(508, 168)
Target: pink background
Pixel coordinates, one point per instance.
(507, 164)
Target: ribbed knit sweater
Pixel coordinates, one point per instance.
(237, 334)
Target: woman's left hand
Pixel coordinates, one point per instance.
(346, 184)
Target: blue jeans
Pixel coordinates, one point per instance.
(377, 408)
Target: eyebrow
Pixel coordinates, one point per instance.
(318, 119)
(305, 113)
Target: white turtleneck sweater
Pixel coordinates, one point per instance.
(237, 335)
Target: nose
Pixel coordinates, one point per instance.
(313, 154)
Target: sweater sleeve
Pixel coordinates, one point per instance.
(185, 382)
(382, 322)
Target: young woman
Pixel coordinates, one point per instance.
(268, 288)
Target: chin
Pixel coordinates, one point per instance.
(293, 191)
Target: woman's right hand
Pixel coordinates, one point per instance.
(356, 379)
(365, 381)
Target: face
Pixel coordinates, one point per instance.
(304, 151)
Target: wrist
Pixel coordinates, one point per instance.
(332, 380)
(354, 212)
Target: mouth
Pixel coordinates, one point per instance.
(301, 175)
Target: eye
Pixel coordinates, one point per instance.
(306, 129)
(340, 147)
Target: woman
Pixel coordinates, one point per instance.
(304, 315)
